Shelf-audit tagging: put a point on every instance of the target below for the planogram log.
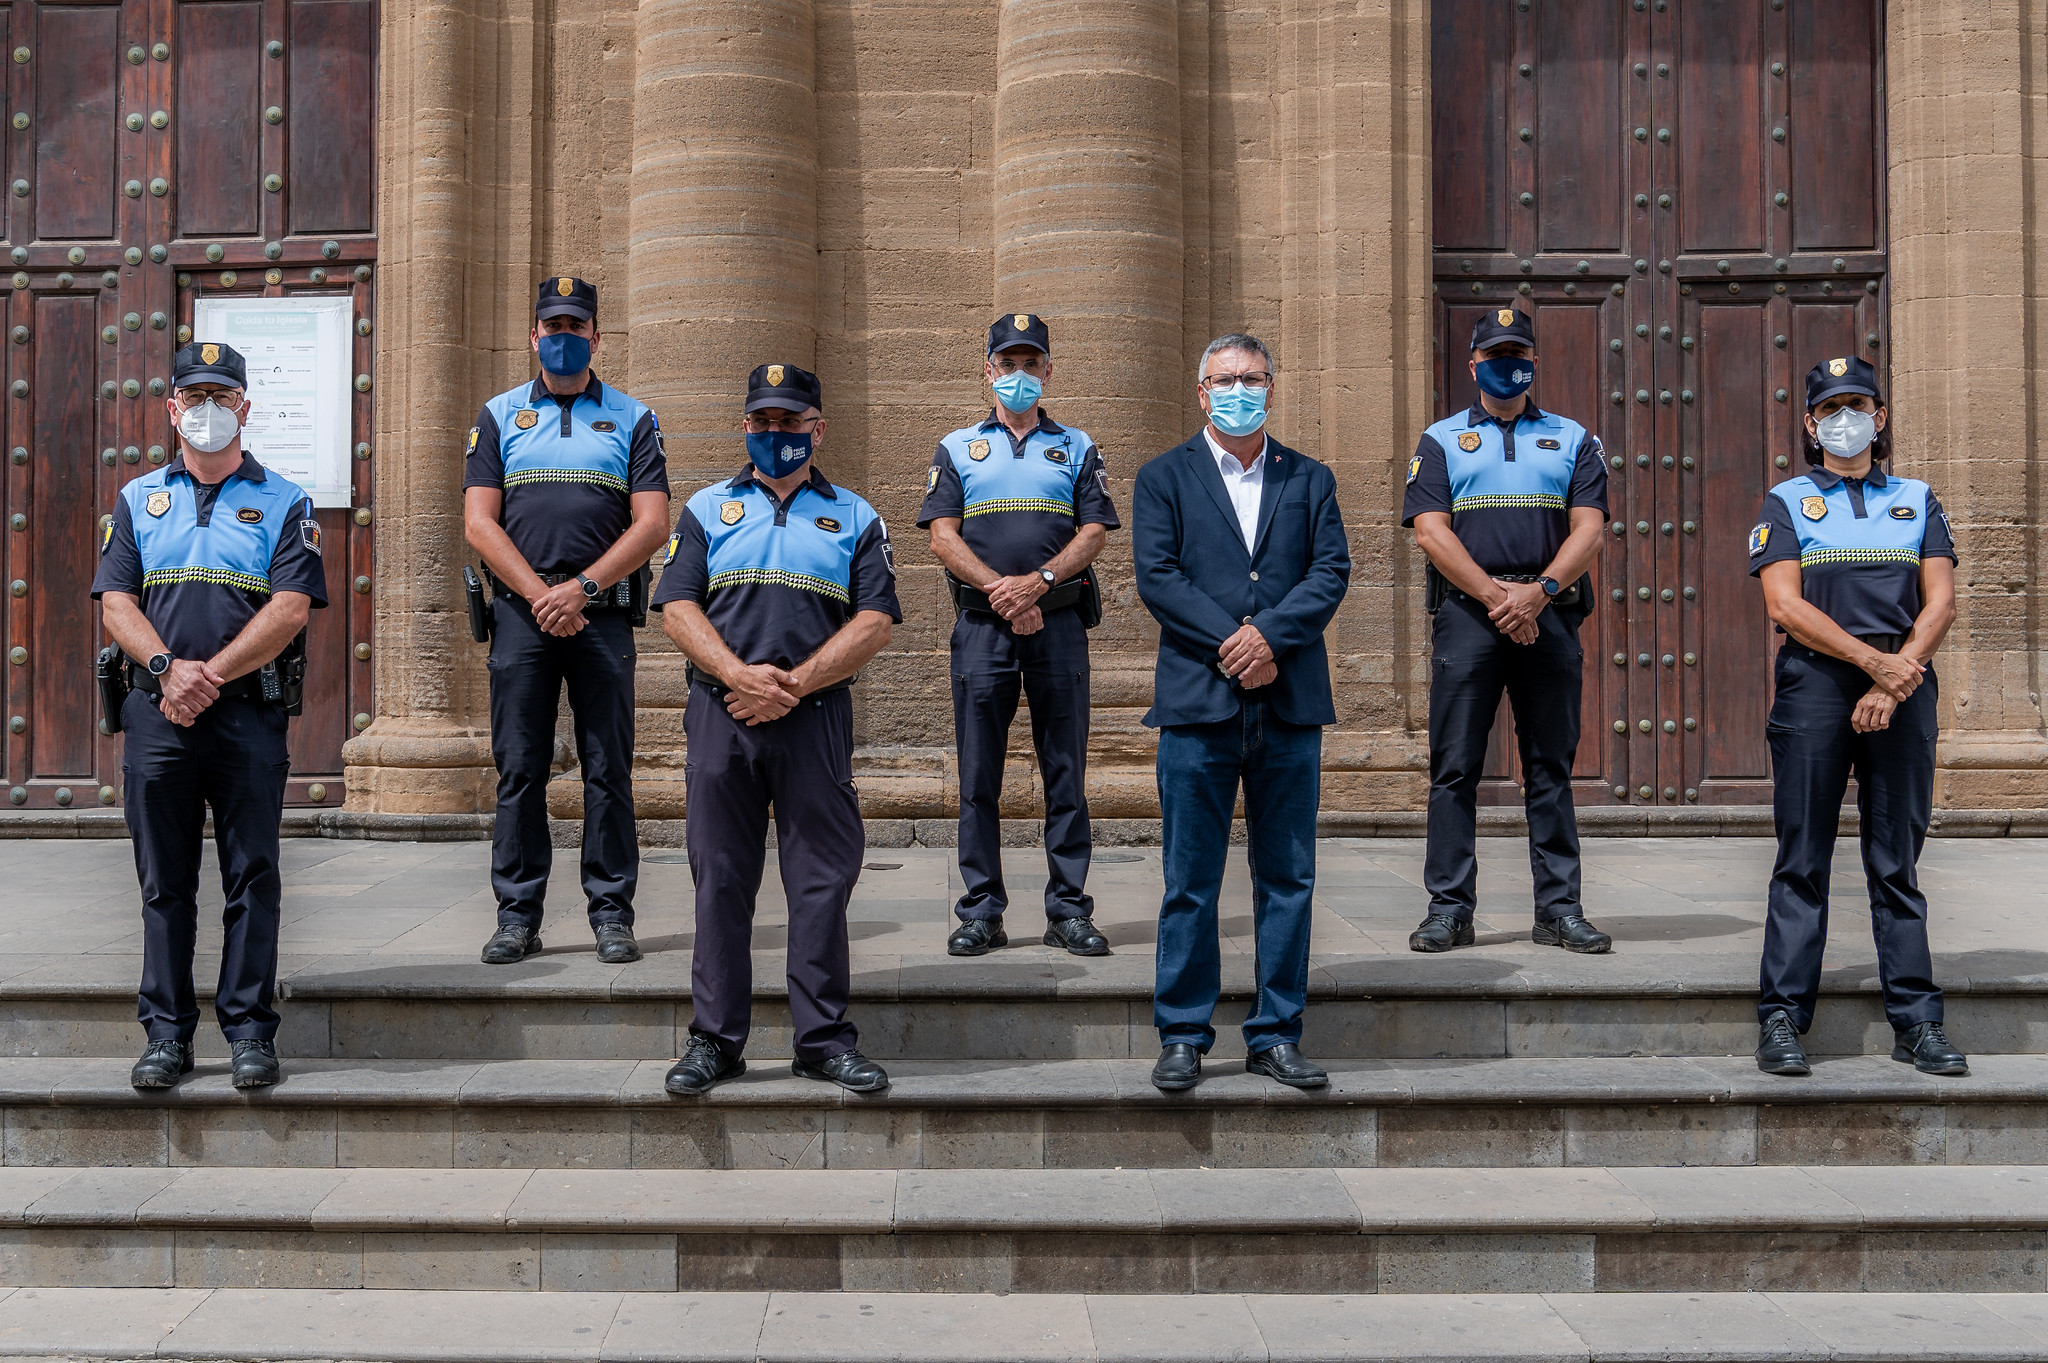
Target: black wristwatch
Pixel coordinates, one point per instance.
(1549, 586)
(160, 664)
(590, 587)
(1047, 576)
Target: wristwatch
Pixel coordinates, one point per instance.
(1549, 586)
(1047, 576)
(160, 664)
(590, 587)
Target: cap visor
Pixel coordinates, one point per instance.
(1019, 344)
(779, 397)
(1843, 386)
(558, 307)
(205, 374)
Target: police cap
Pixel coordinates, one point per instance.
(1019, 328)
(1847, 375)
(1496, 326)
(561, 295)
(208, 362)
(784, 386)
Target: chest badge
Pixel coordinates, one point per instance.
(1469, 441)
(158, 503)
(977, 450)
(1548, 444)
(827, 523)
(1813, 508)
(730, 512)
(249, 515)
(1057, 455)
(527, 419)
(1903, 513)
(604, 425)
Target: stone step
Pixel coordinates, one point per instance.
(1073, 1114)
(377, 1326)
(1817, 1229)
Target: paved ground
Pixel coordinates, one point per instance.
(1667, 899)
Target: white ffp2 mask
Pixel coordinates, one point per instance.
(1847, 433)
(208, 428)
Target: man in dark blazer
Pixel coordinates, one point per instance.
(1241, 558)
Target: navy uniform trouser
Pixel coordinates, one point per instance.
(802, 766)
(1471, 664)
(1813, 752)
(233, 759)
(991, 665)
(528, 668)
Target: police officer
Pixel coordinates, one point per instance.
(1508, 501)
(208, 569)
(565, 496)
(1018, 507)
(779, 588)
(1858, 572)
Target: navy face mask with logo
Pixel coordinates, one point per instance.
(1506, 376)
(778, 453)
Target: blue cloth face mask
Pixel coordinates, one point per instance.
(1238, 410)
(778, 454)
(1019, 391)
(1507, 376)
(564, 353)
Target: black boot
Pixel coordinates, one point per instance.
(1573, 933)
(1286, 1063)
(161, 1065)
(1930, 1050)
(1778, 1050)
(705, 1064)
(1179, 1067)
(1078, 935)
(977, 937)
(615, 944)
(255, 1064)
(509, 944)
(849, 1069)
(1441, 932)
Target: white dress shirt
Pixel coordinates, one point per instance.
(1244, 485)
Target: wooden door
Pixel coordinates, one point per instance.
(1689, 197)
(161, 150)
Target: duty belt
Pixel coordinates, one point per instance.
(1883, 643)
(613, 597)
(249, 685)
(1568, 595)
(693, 677)
(1063, 597)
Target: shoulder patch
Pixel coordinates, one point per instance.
(1813, 508)
(249, 515)
(827, 523)
(1469, 441)
(158, 503)
(106, 533)
(1546, 443)
(730, 512)
(977, 450)
(1904, 513)
(474, 433)
(669, 555)
(309, 534)
(604, 425)
(932, 482)
(888, 549)
(527, 419)
(1758, 538)
(1414, 467)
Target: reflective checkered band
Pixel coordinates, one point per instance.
(220, 577)
(527, 476)
(1546, 500)
(778, 577)
(1817, 556)
(994, 504)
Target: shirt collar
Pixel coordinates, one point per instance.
(1825, 478)
(1476, 414)
(1258, 465)
(249, 469)
(817, 483)
(539, 393)
(1045, 422)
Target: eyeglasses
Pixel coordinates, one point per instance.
(189, 399)
(1257, 378)
(755, 424)
(1030, 364)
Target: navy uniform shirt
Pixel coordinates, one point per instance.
(1859, 542)
(1509, 487)
(203, 559)
(777, 579)
(568, 468)
(1019, 504)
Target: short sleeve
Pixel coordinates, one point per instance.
(120, 567)
(1937, 540)
(1589, 475)
(647, 461)
(1773, 539)
(687, 573)
(873, 587)
(1092, 505)
(483, 466)
(943, 494)
(1429, 481)
(296, 564)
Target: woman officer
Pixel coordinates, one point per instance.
(1858, 571)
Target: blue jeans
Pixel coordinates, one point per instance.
(1200, 767)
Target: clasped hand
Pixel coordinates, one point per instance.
(559, 609)
(1248, 659)
(1896, 676)
(762, 693)
(1016, 600)
(188, 688)
(1514, 614)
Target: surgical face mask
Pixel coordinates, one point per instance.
(1847, 433)
(564, 353)
(1506, 376)
(1019, 391)
(778, 453)
(207, 428)
(1238, 410)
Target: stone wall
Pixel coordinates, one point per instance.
(859, 187)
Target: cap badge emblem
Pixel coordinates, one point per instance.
(1838, 367)
(977, 450)
(1506, 317)
(1469, 441)
(158, 503)
(527, 419)
(1813, 508)
(209, 354)
(1023, 321)
(774, 376)
(249, 515)
(827, 523)
(730, 512)
(565, 286)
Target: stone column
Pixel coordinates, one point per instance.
(1966, 246)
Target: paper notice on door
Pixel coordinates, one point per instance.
(298, 353)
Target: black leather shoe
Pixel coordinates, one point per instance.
(848, 1069)
(161, 1065)
(1441, 932)
(1573, 933)
(705, 1064)
(1930, 1050)
(1778, 1050)
(977, 937)
(256, 1064)
(1286, 1063)
(1078, 935)
(1179, 1067)
(615, 944)
(510, 944)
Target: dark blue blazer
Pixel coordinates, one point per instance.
(1200, 584)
